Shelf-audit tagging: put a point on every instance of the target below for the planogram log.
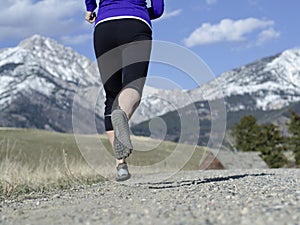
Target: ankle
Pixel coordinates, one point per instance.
(119, 161)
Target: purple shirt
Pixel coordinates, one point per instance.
(110, 9)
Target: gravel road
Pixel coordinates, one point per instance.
(195, 197)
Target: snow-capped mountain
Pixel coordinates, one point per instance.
(38, 81)
(267, 84)
(40, 77)
(266, 89)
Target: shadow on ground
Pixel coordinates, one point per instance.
(175, 184)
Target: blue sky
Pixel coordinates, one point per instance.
(225, 34)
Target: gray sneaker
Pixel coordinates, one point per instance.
(122, 143)
(122, 172)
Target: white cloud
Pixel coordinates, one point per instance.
(210, 2)
(231, 31)
(21, 18)
(173, 13)
(168, 12)
(267, 35)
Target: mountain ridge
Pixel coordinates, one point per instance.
(44, 73)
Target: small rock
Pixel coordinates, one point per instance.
(56, 196)
(244, 211)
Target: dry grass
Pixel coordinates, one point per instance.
(36, 161)
(33, 160)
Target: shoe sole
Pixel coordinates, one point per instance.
(122, 172)
(123, 178)
(122, 144)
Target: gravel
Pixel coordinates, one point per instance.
(268, 196)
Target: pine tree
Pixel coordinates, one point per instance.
(271, 144)
(294, 141)
(245, 134)
(267, 139)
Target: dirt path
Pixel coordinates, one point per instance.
(200, 197)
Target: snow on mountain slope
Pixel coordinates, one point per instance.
(272, 82)
(43, 73)
(41, 64)
(48, 73)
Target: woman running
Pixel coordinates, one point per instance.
(122, 43)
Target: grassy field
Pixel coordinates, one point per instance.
(37, 160)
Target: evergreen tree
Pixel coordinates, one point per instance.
(267, 139)
(294, 129)
(271, 144)
(245, 134)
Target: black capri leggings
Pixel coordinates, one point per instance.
(122, 48)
